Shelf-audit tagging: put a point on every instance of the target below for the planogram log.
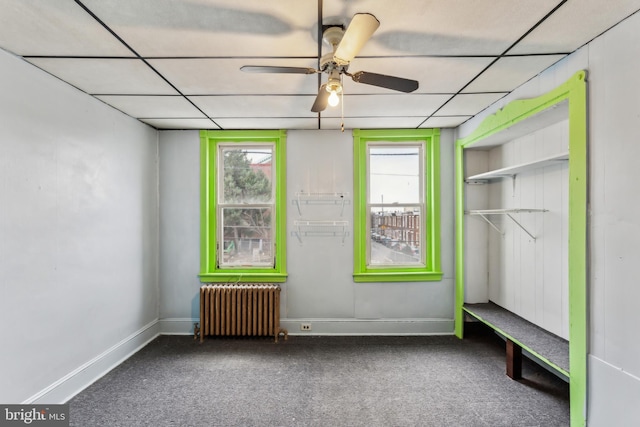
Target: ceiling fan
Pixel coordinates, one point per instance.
(345, 46)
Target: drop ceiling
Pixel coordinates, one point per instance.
(175, 64)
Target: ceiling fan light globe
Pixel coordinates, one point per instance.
(334, 99)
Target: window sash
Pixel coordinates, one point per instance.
(246, 223)
(390, 248)
(395, 240)
(226, 168)
(243, 243)
(390, 178)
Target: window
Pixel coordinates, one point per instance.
(243, 222)
(396, 205)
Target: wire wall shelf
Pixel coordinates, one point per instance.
(322, 228)
(311, 198)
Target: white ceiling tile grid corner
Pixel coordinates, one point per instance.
(175, 64)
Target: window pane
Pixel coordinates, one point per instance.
(394, 174)
(247, 237)
(395, 236)
(247, 175)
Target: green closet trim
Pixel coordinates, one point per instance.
(209, 272)
(574, 91)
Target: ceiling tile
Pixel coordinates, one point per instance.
(574, 24)
(181, 123)
(394, 105)
(371, 122)
(434, 75)
(106, 76)
(54, 28)
(153, 106)
(268, 123)
(223, 76)
(444, 121)
(469, 104)
(452, 27)
(510, 72)
(206, 28)
(255, 106)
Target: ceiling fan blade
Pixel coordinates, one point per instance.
(382, 80)
(285, 70)
(361, 28)
(321, 100)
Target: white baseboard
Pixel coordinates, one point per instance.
(370, 326)
(73, 383)
(177, 326)
(184, 326)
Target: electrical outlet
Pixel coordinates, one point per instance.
(305, 326)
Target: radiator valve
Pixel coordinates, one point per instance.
(196, 331)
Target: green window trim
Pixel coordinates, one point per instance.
(209, 271)
(432, 270)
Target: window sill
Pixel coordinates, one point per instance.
(398, 276)
(244, 277)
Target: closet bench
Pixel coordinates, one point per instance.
(521, 334)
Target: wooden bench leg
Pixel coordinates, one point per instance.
(514, 360)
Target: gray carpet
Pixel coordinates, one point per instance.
(323, 381)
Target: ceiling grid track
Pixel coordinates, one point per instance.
(497, 58)
(113, 33)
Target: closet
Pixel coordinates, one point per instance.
(521, 200)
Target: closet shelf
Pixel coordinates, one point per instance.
(483, 213)
(310, 198)
(323, 228)
(511, 171)
(503, 211)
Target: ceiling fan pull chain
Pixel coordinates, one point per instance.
(342, 109)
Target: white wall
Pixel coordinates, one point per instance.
(320, 286)
(476, 231)
(612, 61)
(179, 229)
(524, 275)
(78, 235)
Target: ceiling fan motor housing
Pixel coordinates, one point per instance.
(332, 36)
(327, 64)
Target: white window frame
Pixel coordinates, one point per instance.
(421, 205)
(222, 204)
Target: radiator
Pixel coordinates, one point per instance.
(240, 310)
